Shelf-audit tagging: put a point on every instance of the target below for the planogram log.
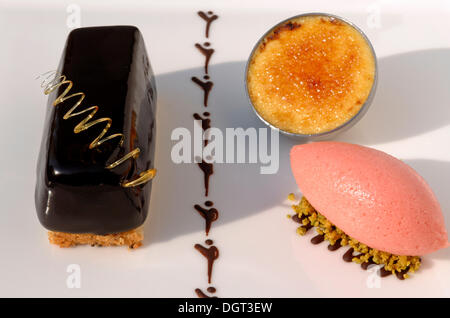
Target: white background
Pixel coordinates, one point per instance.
(260, 254)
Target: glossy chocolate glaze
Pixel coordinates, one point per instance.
(75, 192)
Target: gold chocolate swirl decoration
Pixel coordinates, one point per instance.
(52, 82)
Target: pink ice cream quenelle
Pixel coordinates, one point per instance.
(371, 196)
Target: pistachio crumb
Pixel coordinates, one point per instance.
(332, 234)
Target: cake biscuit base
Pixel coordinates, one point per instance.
(132, 239)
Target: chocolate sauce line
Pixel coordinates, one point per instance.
(210, 289)
(207, 169)
(201, 294)
(210, 215)
(209, 17)
(207, 53)
(211, 254)
(205, 86)
(206, 123)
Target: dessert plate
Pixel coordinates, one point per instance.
(260, 254)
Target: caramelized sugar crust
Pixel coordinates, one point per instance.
(311, 75)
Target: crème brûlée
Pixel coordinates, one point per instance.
(311, 74)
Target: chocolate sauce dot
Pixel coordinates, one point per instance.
(348, 256)
(206, 114)
(317, 239)
(209, 242)
(210, 12)
(366, 265)
(335, 246)
(206, 44)
(206, 77)
(211, 289)
(296, 218)
(307, 227)
(384, 273)
(400, 274)
(209, 203)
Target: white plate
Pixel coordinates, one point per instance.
(260, 254)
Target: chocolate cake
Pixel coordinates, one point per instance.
(97, 154)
